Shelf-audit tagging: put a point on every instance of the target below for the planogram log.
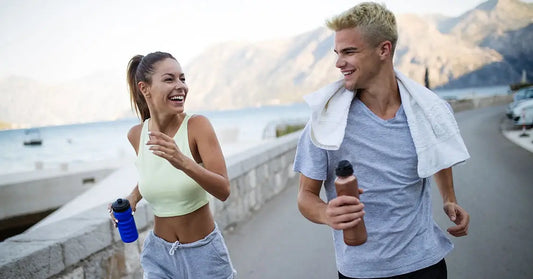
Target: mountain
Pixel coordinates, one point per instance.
(482, 47)
(488, 18)
(516, 48)
(488, 45)
(27, 103)
(265, 73)
(422, 45)
(517, 52)
(283, 71)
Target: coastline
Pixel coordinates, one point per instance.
(81, 239)
(71, 181)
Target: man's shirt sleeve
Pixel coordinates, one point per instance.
(310, 160)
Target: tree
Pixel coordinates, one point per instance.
(426, 78)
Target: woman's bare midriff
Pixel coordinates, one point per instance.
(185, 228)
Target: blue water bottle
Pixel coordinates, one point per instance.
(126, 223)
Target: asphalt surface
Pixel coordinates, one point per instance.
(495, 186)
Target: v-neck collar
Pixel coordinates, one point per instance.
(377, 118)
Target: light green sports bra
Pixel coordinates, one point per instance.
(169, 191)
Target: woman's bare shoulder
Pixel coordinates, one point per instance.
(198, 121)
(134, 135)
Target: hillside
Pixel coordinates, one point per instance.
(25, 102)
(489, 18)
(488, 45)
(446, 57)
(520, 55)
(283, 71)
(265, 73)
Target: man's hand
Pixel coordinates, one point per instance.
(459, 216)
(344, 212)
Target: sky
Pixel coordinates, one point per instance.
(59, 40)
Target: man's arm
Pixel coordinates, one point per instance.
(444, 180)
(340, 213)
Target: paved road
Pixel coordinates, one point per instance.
(495, 186)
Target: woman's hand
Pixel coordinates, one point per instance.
(133, 198)
(165, 147)
(111, 215)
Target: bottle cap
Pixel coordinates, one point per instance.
(344, 168)
(121, 205)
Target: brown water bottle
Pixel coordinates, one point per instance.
(346, 185)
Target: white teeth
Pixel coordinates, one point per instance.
(347, 73)
(177, 98)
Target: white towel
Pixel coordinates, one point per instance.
(435, 133)
(329, 106)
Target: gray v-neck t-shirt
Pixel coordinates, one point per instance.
(402, 235)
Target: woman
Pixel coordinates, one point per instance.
(180, 164)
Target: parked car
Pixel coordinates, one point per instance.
(526, 118)
(521, 112)
(519, 96)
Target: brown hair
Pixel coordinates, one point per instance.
(141, 68)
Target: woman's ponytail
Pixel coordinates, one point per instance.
(137, 100)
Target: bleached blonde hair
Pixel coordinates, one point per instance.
(375, 21)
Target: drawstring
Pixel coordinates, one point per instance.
(174, 247)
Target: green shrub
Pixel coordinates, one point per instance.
(287, 129)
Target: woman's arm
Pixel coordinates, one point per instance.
(135, 196)
(134, 136)
(205, 148)
(213, 176)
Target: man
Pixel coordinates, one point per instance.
(395, 144)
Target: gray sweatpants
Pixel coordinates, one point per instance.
(206, 258)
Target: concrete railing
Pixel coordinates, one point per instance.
(40, 186)
(475, 103)
(88, 246)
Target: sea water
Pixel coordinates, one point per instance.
(474, 92)
(93, 143)
(66, 146)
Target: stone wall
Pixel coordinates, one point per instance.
(88, 246)
(49, 188)
(475, 103)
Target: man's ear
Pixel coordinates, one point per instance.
(143, 87)
(385, 49)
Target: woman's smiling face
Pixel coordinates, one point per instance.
(167, 91)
